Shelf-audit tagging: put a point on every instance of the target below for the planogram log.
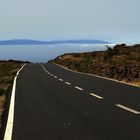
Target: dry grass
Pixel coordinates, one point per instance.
(73, 58)
(2, 102)
(136, 83)
(120, 62)
(8, 71)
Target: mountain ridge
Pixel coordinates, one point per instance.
(52, 42)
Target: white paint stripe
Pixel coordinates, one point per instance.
(61, 80)
(9, 126)
(95, 95)
(67, 83)
(43, 68)
(48, 72)
(127, 108)
(78, 88)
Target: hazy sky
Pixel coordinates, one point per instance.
(111, 20)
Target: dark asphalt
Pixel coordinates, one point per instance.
(49, 109)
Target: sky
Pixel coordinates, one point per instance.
(116, 21)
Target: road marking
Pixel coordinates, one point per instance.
(43, 68)
(97, 96)
(127, 109)
(9, 126)
(67, 83)
(78, 88)
(55, 77)
(61, 80)
(51, 74)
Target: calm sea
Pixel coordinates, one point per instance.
(43, 53)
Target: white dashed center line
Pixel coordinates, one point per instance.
(44, 69)
(61, 80)
(78, 88)
(97, 96)
(55, 77)
(127, 109)
(67, 83)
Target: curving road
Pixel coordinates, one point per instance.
(55, 104)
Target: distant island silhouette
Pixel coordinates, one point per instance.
(53, 42)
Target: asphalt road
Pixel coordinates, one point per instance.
(56, 104)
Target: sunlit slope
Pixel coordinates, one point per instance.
(121, 62)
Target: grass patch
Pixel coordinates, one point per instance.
(2, 102)
(8, 70)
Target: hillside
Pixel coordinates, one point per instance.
(120, 62)
(8, 70)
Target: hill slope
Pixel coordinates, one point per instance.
(8, 70)
(121, 62)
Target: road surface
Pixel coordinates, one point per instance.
(52, 103)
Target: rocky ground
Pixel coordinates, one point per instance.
(120, 62)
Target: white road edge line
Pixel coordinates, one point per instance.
(95, 95)
(10, 121)
(78, 88)
(61, 80)
(68, 83)
(55, 77)
(127, 109)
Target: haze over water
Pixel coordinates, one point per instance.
(43, 53)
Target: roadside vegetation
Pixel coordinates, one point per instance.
(8, 70)
(120, 62)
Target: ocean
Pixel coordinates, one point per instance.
(43, 53)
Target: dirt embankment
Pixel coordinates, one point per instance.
(120, 62)
(8, 70)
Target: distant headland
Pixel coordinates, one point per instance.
(53, 42)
